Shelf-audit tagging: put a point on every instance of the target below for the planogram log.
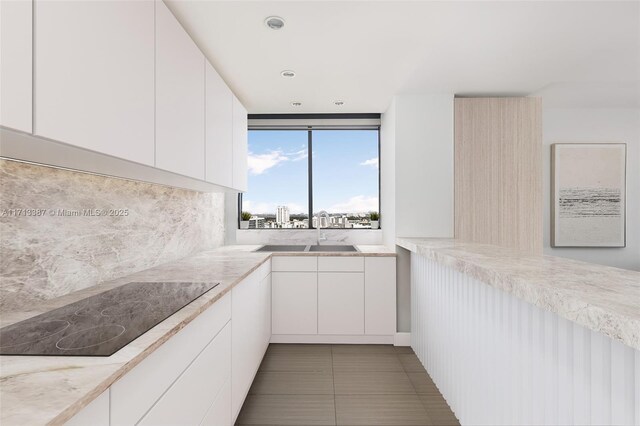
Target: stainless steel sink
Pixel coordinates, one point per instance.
(312, 248)
(278, 247)
(328, 248)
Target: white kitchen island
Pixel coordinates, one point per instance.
(510, 338)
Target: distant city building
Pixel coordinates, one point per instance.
(283, 220)
(282, 215)
(256, 222)
(324, 223)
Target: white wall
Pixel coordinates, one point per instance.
(597, 125)
(388, 175)
(416, 170)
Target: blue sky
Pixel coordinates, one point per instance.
(345, 171)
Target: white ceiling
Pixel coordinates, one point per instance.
(365, 52)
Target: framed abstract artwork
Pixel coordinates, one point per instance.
(588, 191)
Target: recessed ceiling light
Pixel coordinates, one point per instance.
(296, 104)
(338, 103)
(274, 22)
(288, 74)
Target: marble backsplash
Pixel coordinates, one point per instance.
(60, 242)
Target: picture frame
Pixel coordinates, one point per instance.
(588, 194)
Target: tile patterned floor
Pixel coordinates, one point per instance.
(305, 385)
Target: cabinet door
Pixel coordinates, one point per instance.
(135, 393)
(249, 303)
(265, 322)
(219, 129)
(188, 399)
(294, 302)
(240, 145)
(179, 98)
(15, 64)
(340, 303)
(219, 413)
(94, 67)
(380, 295)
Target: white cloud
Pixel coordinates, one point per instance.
(357, 204)
(260, 163)
(300, 155)
(373, 162)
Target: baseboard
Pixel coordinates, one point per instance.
(402, 339)
(332, 339)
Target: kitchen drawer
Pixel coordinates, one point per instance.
(294, 264)
(190, 397)
(219, 413)
(341, 264)
(135, 393)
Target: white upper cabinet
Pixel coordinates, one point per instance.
(15, 64)
(179, 98)
(240, 148)
(219, 129)
(93, 75)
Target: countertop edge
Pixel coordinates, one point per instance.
(614, 325)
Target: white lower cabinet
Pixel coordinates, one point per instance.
(333, 299)
(144, 387)
(219, 413)
(380, 295)
(294, 302)
(202, 375)
(340, 303)
(251, 300)
(189, 398)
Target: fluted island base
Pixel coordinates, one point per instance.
(498, 359)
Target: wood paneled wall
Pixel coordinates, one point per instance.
(498, 171)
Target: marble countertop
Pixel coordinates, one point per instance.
(600, 298)
(51, 389)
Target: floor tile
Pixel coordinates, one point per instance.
(366, 362)
(410, 362)
(423, 383)
(372, 383)
(363, 349)
(288, 410)
(292, 383)
(403, 349)
(297, 362)
(380, 410)
(438, 411)
(285, 348)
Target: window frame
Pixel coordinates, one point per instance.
(309, 129)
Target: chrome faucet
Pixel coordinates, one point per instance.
(319, 225)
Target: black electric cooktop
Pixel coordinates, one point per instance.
(102, 324)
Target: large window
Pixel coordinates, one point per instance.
(294, 174)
